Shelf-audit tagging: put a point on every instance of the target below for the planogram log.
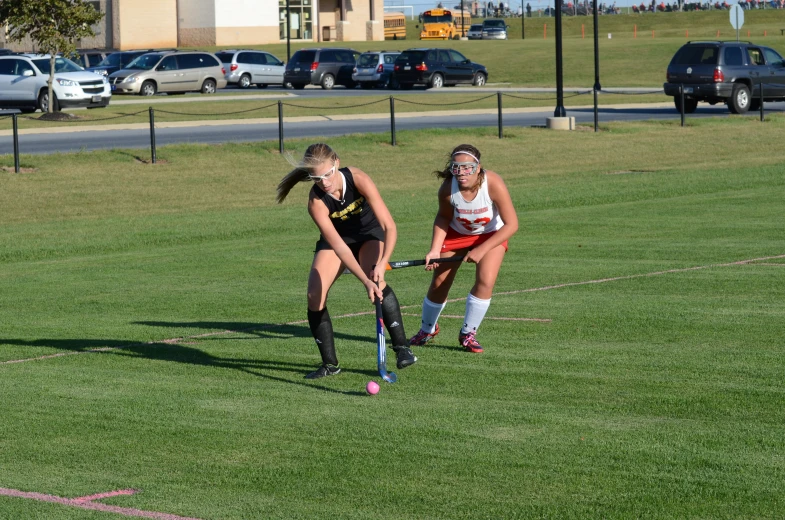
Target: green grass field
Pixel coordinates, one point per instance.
(174, 296)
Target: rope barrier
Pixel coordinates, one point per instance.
(444, 104)
(336, 108)
(160, 111)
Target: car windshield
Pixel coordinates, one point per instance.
(144, 62)
(113, 60)
(494, 23)
(303, 57)
(696, 55)
(411, 56)
(368, 60)
(445, 18)
(225, 57)
(475, 27)
(61, 65)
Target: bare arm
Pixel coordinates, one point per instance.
(501, 199)
(367, 189)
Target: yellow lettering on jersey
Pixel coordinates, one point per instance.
(355, 208)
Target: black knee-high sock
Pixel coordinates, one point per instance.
(322, 330)
(391, 313)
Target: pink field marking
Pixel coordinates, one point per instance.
(86, 502)
(355, 314)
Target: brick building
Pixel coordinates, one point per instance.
(140, 24)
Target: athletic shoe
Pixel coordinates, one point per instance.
(469, 342)
(324, 370)
(422, 337)
(404, 356)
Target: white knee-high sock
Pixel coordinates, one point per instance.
(430, 314)
(475, 312)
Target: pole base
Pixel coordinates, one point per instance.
(560, 123)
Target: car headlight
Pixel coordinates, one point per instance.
(67, 83)
(131, 79)
(105, 79)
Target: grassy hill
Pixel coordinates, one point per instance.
(636, 54)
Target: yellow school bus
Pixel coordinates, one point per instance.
(394, 26)
(442, 24)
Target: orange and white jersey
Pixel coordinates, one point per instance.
(475, 217)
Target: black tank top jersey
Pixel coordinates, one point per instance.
(352, 217)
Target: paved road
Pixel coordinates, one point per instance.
(138, 136)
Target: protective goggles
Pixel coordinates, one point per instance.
(326, 176)
(463, 168)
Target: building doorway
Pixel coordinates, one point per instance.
(301, 13)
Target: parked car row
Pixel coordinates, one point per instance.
(392, 69)
(24, 77)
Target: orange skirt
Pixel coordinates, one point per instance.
(455, 241)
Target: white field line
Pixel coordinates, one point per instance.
(351, 315)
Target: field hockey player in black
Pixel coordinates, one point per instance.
(357, 233)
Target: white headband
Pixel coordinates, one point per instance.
(467, 153)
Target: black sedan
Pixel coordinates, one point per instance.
(436, 68)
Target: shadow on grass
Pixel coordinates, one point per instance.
(260, 330)
(173, 352)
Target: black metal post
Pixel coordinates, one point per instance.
(280, 126)
(560, 111)
(393, 142)
(761, 100)
(597, 86)
(16, 144)
(288, 33)
(152, 136)
(681, 103)
(463, 22)
(523, 25)
(501, 123)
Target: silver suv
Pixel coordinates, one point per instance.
(246, 67)
(170, 71)
(375, 68)
(24, 78)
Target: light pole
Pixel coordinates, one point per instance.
(288, 33)
(463, 22)
(559, 112)
(597, 86)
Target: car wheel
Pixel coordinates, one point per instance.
(437, 81)
(393, 83)
(208, 87)
(479, 79)
(43, 102)
(261, 85)
(328, 82)
(739, 101)
(690, 105)
(245, 81)
(148, 89)
(298, 86)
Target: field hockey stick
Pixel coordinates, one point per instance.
(381, 346)
(411, 263)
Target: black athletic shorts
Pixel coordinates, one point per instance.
(354, 245)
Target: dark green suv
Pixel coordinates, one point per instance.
(725, 72)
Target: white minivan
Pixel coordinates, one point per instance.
(24, 77)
